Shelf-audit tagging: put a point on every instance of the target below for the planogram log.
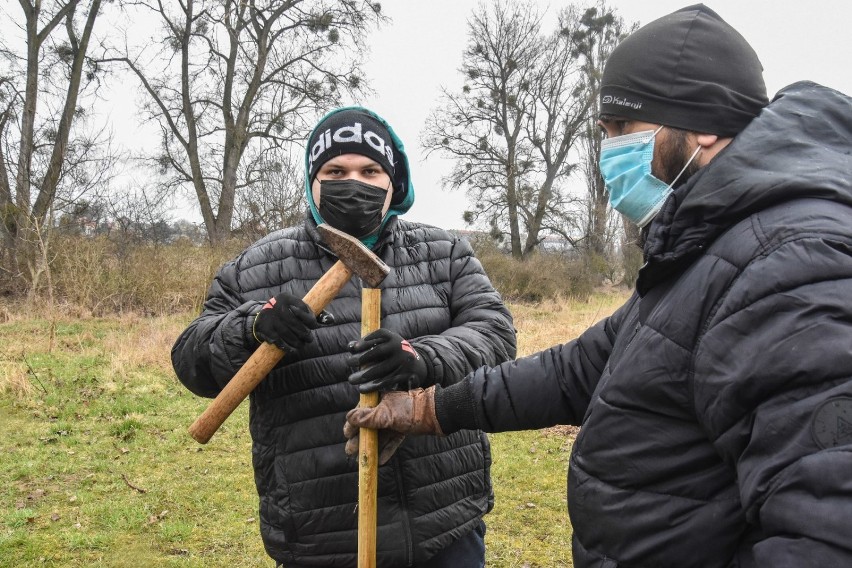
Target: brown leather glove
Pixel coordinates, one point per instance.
(408, 412)
(389, 441)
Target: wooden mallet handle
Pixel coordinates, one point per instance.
(263, 360)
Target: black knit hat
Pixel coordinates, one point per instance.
(350, 131)
(690, 70)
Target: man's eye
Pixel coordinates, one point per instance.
(612, 126)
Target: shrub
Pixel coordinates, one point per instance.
(95, 276)
(101, 276)
(540, 276)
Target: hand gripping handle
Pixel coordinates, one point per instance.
(263, 360)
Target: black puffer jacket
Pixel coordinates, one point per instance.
(716, 404)
(434, 490)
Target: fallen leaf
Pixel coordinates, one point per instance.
(36, 495)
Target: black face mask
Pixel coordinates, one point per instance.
(352, 206)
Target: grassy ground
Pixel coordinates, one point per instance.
(98, 469)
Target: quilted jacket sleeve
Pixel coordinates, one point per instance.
(217, 343)
(548, 388)
(773, 387)
(481, 330)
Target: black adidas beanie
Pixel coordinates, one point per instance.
(350, 131)
(689, 70)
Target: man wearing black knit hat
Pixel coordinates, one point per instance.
(716, 404)
(442, 319)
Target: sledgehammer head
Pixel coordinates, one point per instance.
(357, 258)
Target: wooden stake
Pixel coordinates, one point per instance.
(368, 446)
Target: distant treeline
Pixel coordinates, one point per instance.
(118, 272)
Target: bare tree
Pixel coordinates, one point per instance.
(44, 79)
(514, 128)
(482, 127)
(601, 31)
(128, 219)
(275, 200)
(561, 110)
(228, 79)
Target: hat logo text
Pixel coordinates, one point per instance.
(349, 135)
(621, 101)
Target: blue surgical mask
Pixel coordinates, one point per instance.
(625, 165)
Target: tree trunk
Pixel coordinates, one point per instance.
(600, 207)
(47, 192)
(7, 211)
(512, 204)
(632, 252)
(25, 151)
(544, 195)
(514, 225)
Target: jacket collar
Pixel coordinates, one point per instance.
(797, 147)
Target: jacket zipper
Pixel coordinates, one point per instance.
(632, 337)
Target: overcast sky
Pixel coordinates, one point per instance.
(420, 51)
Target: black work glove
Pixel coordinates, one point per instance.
(386, 361)
(286, 322)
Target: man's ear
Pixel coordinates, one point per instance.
(711, 144)
(706, 140)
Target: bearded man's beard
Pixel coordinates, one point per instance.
(674, 151)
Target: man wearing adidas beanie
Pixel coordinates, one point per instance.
(716, 404)
(441, 319)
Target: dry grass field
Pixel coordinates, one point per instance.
(98, 469)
